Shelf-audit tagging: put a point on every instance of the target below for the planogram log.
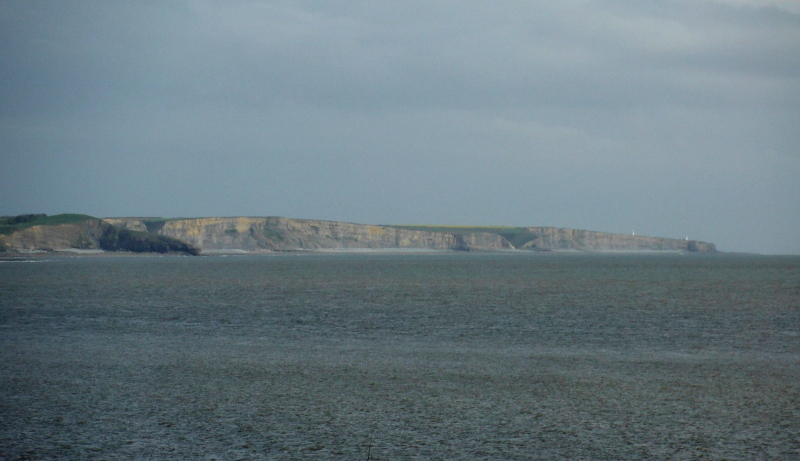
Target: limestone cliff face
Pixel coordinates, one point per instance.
(333, 234)
(240, 233)
(89, 234)
(84, 236)
(277, 233)
(553, 238)
(220, 233)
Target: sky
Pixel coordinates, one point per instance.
(676, 118)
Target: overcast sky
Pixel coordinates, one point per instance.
(671, 118)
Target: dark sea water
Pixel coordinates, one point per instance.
(401, 356)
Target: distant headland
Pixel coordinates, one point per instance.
(78, 233)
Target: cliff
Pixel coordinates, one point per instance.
(277, 233)
(553, 238)
(190, 236)
(26, 233)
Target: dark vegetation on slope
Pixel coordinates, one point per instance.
(116, 239)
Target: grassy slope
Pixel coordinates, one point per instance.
(7, 228)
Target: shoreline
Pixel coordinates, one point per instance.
(72, 252)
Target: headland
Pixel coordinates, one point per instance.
(85, 234)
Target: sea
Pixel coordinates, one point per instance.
(394, 356)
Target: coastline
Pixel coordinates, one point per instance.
(17, 255)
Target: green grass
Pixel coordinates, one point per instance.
(41, 220)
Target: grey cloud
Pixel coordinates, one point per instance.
(523, 54)
(591, 114)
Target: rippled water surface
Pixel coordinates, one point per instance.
(401, 356)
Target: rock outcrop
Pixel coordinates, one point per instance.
(281, 234)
